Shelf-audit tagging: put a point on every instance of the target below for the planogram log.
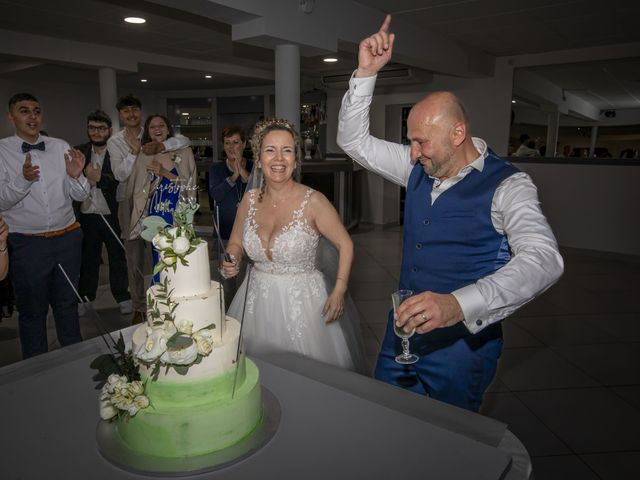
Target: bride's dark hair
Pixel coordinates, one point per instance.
(260, 131)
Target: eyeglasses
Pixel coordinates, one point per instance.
(94, 128)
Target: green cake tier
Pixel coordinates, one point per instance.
(187, 419)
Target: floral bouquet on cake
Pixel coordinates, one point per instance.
(122, 391)
(173, 242)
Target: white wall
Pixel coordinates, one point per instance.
(594, 207)
(66, 105)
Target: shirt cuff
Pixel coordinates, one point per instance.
(84, 182)
(362, 86)
(473, 307)
(230, 182)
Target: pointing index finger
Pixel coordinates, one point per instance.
(385, 25)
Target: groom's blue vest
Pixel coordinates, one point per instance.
(452, 243)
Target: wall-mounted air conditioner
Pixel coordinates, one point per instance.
(387, 76)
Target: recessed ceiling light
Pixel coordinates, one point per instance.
(134, 20)
(185, 113)
(143, 80)
(513, 101)
(208, 76)
(330, 59)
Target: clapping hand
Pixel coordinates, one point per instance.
(30, 172)
(133, 142)
(239, 169)
(74, 160)
(374, 52)
(153, 147)
(93, 173)
(234, 163)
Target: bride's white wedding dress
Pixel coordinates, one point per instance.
(286, 294)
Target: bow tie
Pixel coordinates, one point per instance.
(26, 147)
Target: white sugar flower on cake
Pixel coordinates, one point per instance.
(184, 326)
(181, 356)
(156, 343)
(204, 341)
(181, 245)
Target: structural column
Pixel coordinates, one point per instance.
(288, 83)
(215, 130)
(267, 105)
(552, 134)
(109, 95)
(594, 139)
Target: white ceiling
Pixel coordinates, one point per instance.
(497, 27)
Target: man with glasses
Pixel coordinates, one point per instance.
(124, 147)
(99, 218)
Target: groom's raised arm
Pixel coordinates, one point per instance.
(391, 160)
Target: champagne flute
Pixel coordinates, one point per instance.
(405, 357)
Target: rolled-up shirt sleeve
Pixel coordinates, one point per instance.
(535, 264)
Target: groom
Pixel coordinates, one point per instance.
(476, 244)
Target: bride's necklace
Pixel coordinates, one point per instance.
(274, 202)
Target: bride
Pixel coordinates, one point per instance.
(290, 306)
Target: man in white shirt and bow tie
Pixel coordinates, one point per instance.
(39, 178)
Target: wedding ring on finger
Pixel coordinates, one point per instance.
(424, 317)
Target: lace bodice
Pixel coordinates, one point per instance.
(294, 247)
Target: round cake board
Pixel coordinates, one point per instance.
(115, 451)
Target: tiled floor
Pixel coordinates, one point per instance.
(568, 383)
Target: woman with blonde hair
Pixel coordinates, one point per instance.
(290, 306)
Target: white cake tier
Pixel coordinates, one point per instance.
(221, 360)
(193, 279)
(202, 310)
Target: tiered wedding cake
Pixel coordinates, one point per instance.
(186, 353)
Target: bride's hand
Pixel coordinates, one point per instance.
(334, 306)
(230, 269)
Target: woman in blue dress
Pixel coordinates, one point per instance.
(159, 181)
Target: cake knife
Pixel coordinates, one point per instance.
(225, 255)
(244, 306)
